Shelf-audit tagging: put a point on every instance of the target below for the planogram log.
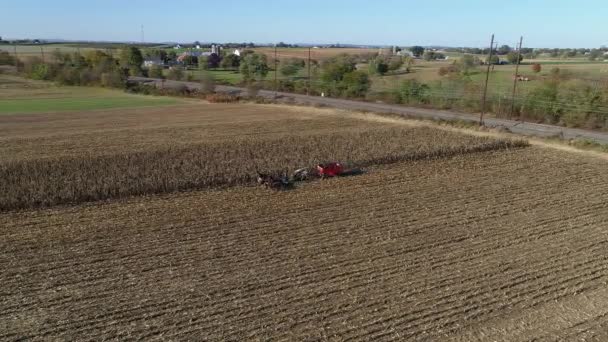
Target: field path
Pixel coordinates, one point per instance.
(518, 127)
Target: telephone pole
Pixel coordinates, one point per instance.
(142, 35)
(42, 53)
(521, 39)
(16, 56)
(276, 71)
(308, 88)
(485, 88)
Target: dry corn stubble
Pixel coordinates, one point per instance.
(50, 181)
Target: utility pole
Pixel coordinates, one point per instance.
(275, 72)
(521, 39)
(142, 35)
(308, 88)
(485, 88)
(42, 53)
(16, 56)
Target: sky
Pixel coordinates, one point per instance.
(543, 23)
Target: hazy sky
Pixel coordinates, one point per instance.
(543, 23)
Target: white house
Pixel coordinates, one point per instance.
(176, 47)
(152, 61)
(405, 53)
(237, 52)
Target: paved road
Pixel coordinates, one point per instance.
(525, 128)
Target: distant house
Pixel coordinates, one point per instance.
(181, 58)
(405, 53)
(176, 47)
(198, 47)
(152, 62)
(237, 52)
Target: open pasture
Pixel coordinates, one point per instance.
(23, 96)
(316, 54)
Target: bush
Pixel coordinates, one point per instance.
(6, 58)
(536, 67)
(176, 74)
(207, 83)
(155, 71)
(413, 92)
(112, 80)
(222, 98)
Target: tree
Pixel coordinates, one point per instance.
(512, 57)
(355, 84)
(381, 67)
(466, 63)
(131, 59)
(536, 67)
(155, 71)
(291, 67)
(231, 61)
(432, 55)
(395, 63)
(213, 61)
(207, 83)
(334, 69)
(6, 58)
(594, 54)
(504, 49)
(417, 50)
(254, 67)
(176, 73)
(203, 63)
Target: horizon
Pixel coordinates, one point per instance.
(389, 23)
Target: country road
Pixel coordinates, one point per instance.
(518, 127)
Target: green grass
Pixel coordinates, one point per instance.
(22, 96)
(21, 106)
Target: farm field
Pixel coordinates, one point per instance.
(143, 223)
(504, 245)
(316, 54)
(22, 96)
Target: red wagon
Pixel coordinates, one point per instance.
(330, 169)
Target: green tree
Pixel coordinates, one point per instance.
(176, 73)
(504, 49)
(203, 63)
(6, 58)
(334, 69)
(432, 55)
(132, 59)
(381, 66)
(355, 84)
(417, 51)
(231, 61)
(155, 71)
(512, 57)
(254, 67)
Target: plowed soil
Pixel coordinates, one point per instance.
(496, 246)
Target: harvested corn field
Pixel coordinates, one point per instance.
(502, 245)
(42, 178)
(446, 237)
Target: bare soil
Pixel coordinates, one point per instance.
(492, 246)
